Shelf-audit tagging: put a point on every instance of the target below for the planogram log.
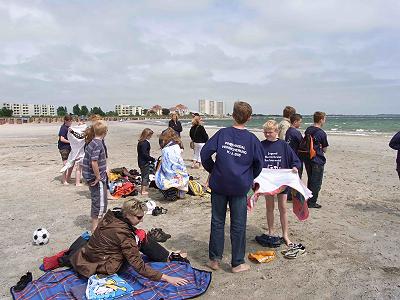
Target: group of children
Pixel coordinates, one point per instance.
(240, 158)
(240, 154)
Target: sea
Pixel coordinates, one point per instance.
(335, 124)
(361, 125)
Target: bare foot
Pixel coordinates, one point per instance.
(240, 268)
(79, 184)
(287, 241)
(65, 183)
(144, 193)
(213, 264)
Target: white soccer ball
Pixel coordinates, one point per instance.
(41, 236)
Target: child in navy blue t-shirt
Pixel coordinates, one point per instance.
(144, 158)
(238, 160)
(293, 136)
(278, 155)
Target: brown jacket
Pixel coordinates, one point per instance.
(111, 243)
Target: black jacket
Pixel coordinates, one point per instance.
(175, 126)
(143, 150)
(198, 134)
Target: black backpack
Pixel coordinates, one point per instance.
(306, 149)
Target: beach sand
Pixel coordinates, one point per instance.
(352, 242)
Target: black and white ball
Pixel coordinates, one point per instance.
(41, 236)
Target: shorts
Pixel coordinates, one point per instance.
(64, 153)
(144, 173)
(98, 194)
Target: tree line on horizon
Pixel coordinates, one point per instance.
(84, 111)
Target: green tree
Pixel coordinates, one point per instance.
(84, 110)
(61, 111)
(165, 111)
(5, 112)
(76, 110)
(97, 111)
(111, 113)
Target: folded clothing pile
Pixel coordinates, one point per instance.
(270, 241)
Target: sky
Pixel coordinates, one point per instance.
(340, 57)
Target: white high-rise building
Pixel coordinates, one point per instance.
(128, 110)
(31, 110)
(211, 107)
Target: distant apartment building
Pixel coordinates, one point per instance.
(31, 110)
(211, 107)
(128, 110)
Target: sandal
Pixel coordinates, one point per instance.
(293, 246)
(158, 210)
(174, 256)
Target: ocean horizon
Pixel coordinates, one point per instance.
(358, 125)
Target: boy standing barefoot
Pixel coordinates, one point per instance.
(94, 172)
(239, 159)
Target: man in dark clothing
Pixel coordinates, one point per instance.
(395, 144)
(64, 147)
(315, 166)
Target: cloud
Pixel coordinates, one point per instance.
(340, 57)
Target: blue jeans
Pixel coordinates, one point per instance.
(315, 174)
(238, 213)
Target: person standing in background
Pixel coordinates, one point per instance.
(175, 124)
(65, 148)
(285, 123)
(199, 136)
(395, 144)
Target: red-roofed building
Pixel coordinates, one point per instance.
(180, 109)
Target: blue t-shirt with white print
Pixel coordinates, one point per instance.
(279, 155)
(239, 159)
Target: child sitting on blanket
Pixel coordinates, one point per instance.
(117, 240)
(278, 155)
(144, 158)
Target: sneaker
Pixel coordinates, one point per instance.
(23, 282)
(314, 205)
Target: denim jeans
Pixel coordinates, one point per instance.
(315, 174)
(238, 213)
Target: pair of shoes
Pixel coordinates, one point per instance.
(23, 282)
(269, 241)
(314, 205)
(295, 252)
(293, 246)
(174, 256)
(158, 235)
(158, 210)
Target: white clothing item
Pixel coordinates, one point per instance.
(197, 150)
(151, 205)
(77, 147)
(270, 180)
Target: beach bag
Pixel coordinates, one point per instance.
(191, 145)
(306, 149)
(195, 188)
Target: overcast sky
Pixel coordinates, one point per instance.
(333, 56)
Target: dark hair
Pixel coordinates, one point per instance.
(295, 117)
(241, 112)
(288, 111)
(67, 118)
(318, 116)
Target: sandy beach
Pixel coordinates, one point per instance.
(351, 243)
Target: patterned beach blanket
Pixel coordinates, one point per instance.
(172, 172)
(274, 181)
(59, 284)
